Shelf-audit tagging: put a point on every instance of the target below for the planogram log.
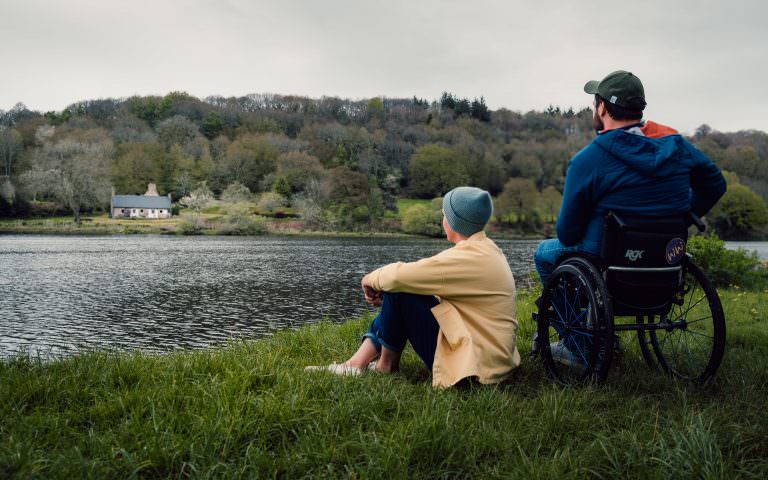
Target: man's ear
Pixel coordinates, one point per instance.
(601, 109)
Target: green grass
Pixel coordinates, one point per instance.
(249, 410)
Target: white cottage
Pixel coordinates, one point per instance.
(149, 205)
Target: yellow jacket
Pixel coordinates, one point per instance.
(476, 313)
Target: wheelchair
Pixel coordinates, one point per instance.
(643, 274)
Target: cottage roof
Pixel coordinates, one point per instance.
(140, 201)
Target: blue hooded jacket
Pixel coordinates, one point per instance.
(625, 171)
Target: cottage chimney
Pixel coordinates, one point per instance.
(151, 191)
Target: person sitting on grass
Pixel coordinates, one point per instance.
(456, 308)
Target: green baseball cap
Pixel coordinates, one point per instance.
(619, 88)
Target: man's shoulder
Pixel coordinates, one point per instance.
(588, 155)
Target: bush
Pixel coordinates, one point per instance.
(236, 192)
(423, 220)
(727, 267)
(240, 221)
(191, 225)
(271, 201)
(198, 199)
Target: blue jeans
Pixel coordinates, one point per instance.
(547, 255)
(406, 317)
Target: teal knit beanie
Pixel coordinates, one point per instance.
(467, 209)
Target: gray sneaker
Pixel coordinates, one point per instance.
(561, 354)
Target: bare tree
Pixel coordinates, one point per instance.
(35, 182)
(198, 198)
(78, 171)
(10, 147)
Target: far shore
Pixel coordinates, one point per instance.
(103, 225)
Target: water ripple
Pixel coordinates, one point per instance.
(60, 294)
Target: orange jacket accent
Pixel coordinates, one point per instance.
(655, 130)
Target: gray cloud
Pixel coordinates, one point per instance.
(701, 61)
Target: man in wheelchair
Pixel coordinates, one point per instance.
(633, 167)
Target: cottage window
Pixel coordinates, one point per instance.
(142, 210)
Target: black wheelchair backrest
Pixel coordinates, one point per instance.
(644, 242)
(643, 261)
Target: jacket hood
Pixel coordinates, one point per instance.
(653, 157)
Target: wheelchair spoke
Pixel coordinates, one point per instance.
(691, 357)
(559, 315)
(708, 317)
(698, 333)
(693, 289)
(682, 314)
(581, 354)
(580, 332)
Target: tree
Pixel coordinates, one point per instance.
(236, 192)
(212, 125)
(271, 201)
(7, 190)
(136, 165)
(375, 107)
(177, 130)
(518, 200)
(480, 111)
(10, 147)
(281, 186)
(37, 181)
(434, 170)
(299, 168)
(424, 220)
(740, 213)
(79, 173)
(550, 201)
(198, 198)
(309, 203)
(248, 160)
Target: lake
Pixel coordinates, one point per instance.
(60, 294)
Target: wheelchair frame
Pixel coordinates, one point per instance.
(584, 295)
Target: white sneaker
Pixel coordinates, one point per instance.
(561, 354)
(335, 368)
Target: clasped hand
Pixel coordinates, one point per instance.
(372, 297)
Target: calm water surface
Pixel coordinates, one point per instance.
(59, 294)
(760, 247)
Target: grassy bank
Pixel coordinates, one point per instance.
(227, 219)
(249, 410)
(103, 225)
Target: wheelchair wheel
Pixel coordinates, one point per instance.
(575, 324)
(692, 342)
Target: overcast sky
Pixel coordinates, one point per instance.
(701, 61)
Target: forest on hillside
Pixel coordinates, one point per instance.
(340, 164)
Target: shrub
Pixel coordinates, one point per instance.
(271, 201)
(241, 226)
(240, 221)
(236, 192)
(727, 267)
(191, 225)
(198, 199)
(423, 220)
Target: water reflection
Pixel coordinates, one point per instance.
(156, 293)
